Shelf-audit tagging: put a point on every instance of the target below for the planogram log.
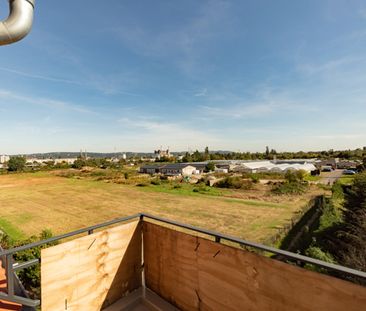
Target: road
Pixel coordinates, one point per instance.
(329, 178)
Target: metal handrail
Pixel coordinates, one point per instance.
(17, 285)
(67, 235)
(12, 267)
(218, 237)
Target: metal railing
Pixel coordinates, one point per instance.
(12, 267)
(19, 289)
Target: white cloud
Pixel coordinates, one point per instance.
(266, 102)
(152, 132)
(241, 111)
(201, 93)
(41, 77)
(108, 84)
(344, 136)
(46, 102)
(329, 66)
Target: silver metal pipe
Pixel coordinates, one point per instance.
(19, 22)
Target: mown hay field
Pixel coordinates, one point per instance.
(32, 202)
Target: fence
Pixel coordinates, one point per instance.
(11, 267)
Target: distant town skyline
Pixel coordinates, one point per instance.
(230, 75)
(182, 152)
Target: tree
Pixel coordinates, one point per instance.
(79, 163)
(210, 167)
(207, 154)
(295, 176)
(16, 164)
(30, 277)
(362, 167)
(346, 241)
(187, 157)
(197, 156)
(356, 197)
(267, 152)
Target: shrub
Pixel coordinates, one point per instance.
(210, 167)
(66, 174)
(30, 277)
(294, 176)
(79, 163)
(337, 191)
(331, 215)
(155, 182)
(126, 175)
(294, 187)
(255, 178)
(234, 183)
(317, 253)
(203, 180)
(6, 241)
(16, 164)
(263, 175)
(98, 173)
(141, 185)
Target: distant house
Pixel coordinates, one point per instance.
(200, 166)
(162, 154)
(221, 170)
(35, 161)
(226, 166)
(347, 164)
(4, 158)
(327, 163)
(177, 169)
(151, 169)
(173, 169)
(69, 161)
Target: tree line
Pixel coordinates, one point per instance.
(270, 154)
(18, 163)
(341, 235)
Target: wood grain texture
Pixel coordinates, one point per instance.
(197, 274)
(92, 272)
(171, 266)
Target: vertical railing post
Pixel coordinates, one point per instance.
(10, 275)
(217, 239)
(2, 259)
(90, 232)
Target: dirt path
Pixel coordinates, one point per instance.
(329, 178)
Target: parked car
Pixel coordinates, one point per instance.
(327, 168)
(349, 172)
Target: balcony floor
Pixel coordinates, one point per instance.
(141, 300)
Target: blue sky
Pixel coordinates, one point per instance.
(231, 75)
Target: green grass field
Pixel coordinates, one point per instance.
(35, 201)
(346, 179)
(312, 178)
